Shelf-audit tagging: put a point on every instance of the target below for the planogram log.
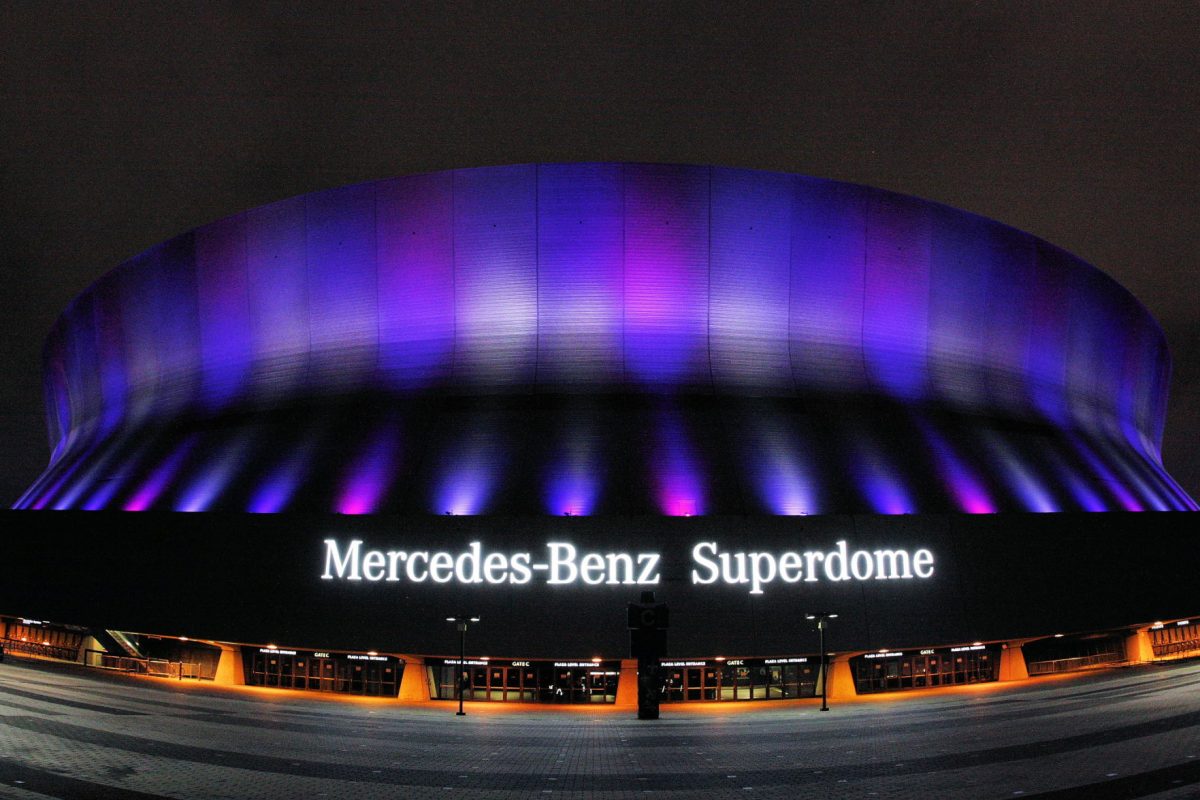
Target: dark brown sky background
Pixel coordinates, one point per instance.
(122, 124)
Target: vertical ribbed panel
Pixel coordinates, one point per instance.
(176, 322)
(138, 280)
(580, 240)
(110, 347)
(415, 240)
(828, 255)
(343, 313)
(81, 360)
(748, 312)
(964, 255)
(666, 276)
(495, 277)
(1006, 318)
(54, 383)
(1093, 370)
(278, 287)
(224, 308)
(896, 299)
(1046, 356)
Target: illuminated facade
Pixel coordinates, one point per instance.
(618, 342)
(606, 338)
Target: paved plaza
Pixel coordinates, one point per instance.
(1121, 733)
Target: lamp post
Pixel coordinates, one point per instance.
(822, 622)
(461, 623)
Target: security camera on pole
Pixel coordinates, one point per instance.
(648, 622)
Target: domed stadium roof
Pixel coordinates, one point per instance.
(606, 339)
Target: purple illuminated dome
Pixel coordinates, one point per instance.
(606, 339)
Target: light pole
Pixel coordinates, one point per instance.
(822, 622)
(461, 623)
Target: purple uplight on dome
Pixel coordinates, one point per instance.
(779, 466)
(676, 469)
(214, 476)
(572, 485)
(877, 479)
(1021, 478)
(1083, 494)
(968, 491)
(160, 478)
(1110, 481)
(371, 474)
(275, 493)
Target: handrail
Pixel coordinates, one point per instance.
(40, 649)
(158, 667)
(1070, 664)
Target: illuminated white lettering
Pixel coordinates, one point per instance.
(809, 568)
(520, 568)
(727, 575)
(471, 557)
(441, 567)
(562, 557)
(394, 559)
(625, 563)
(891, 564)
(762, 570)
(649, 564)
(861, 565)
(591, 568)
(565, 564)
(335, 562)
(410, 568)
(713, 572)
(789, 567)
(837, 570)
(372, 565)
(495, 567)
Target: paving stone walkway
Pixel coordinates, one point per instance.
(1118, 734)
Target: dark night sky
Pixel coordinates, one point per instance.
(124, 124)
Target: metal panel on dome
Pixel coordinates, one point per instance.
(224, 311)
(415, 257)
(495, 280)
(666, 276)
(342, 299)
(278, 288)
(750, 279)
(579, 275)
(895, 329)
(828, 256)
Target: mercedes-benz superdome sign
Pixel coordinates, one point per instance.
(561, 563)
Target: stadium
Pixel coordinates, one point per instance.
(287, 445)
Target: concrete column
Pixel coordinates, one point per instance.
(1012, 663)
(841, 679)
(230, 669)
(1138, 649)
(627, 684)
(414, 681)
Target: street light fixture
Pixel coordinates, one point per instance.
(461, 623)
(823, 622)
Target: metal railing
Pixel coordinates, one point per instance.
(1072, 664)
(1174, 648)
(41, 650)
(157, 667)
